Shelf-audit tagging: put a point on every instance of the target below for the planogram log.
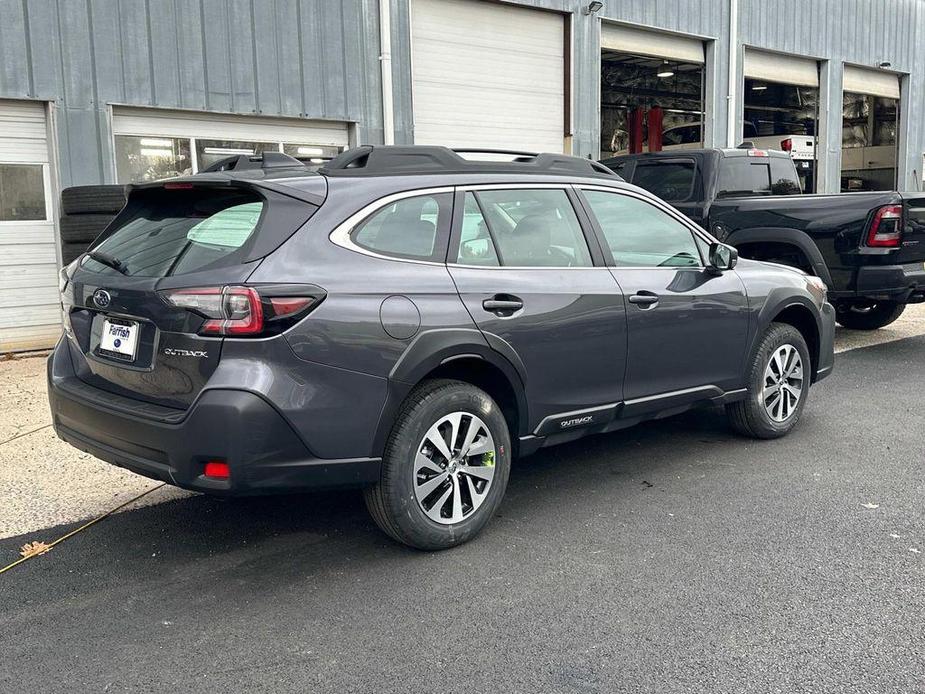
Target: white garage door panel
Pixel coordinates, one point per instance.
(29, 276)
(641, 42)
(487, 75)
(27, 254)
(876, 82)
(780, 68)
(148, 121)
(30, 316)
(12, 317)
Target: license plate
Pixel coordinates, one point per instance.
(119, 338)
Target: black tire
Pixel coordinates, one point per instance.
(83, 228)
(856, 315)
(92, 200)
(392, 502)
(71, 251)
(750, 417)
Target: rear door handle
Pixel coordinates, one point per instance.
(643, 299)
(502, 303)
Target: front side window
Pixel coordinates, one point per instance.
(640, 234)
(522, 228)
(408, 228)
(22, 193)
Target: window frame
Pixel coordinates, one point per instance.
(590, 237)
(695, 230)
(46, 192)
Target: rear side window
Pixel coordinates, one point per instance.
(412, 228)
(672, 181)
(173, 232)
(522, 228)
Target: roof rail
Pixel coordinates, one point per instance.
(370, 160)
(267, 160)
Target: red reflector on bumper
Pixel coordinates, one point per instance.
(217, 470)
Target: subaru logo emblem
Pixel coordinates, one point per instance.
(101, 298)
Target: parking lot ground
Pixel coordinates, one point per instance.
(672, 557)
(45, 482)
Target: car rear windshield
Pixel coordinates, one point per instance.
(757, 176)
(172, 232)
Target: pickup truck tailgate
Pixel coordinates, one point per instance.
(913, 239)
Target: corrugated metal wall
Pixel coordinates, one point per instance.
(302, 58)
(319, 59)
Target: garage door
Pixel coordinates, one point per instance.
(857, 80)
(153, 143)
(780, 68)
(487, 75)
(634, 41)
(29, 314)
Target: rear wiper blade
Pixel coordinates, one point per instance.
(109, 260)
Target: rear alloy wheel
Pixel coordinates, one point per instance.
(454, 468)
(445, 467)
(868, 315)
(778, 383)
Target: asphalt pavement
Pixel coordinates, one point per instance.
(672, 557)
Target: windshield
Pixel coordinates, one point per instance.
(173, 232)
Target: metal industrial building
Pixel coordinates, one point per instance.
(105, 91)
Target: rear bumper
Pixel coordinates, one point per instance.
(264, 454)
(903, 283)
(826, 342)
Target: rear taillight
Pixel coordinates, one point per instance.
(786, 145)
(886, 228)
(242, 311)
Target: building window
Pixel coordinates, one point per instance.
(149, 158)
(210, 151)
(22, 193)
(869, 125)
(142, 158)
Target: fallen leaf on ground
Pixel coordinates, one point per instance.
(31, 549)
(870, 505)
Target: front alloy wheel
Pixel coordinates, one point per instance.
(777, 383)
(783, 383)
(454, 468)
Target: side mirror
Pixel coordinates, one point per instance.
(723, 257)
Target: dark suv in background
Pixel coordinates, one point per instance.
(409, 320)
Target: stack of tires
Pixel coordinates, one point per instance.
(85, 212)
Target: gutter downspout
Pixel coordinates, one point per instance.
(732, 118)
(385, 64)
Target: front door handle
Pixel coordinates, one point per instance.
(502, 304)
(644, 299)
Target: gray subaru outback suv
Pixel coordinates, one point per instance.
(409, 320)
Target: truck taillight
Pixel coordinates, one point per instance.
(886, 228)
(241, 311)
(786, 145)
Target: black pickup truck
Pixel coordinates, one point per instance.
(869, 248)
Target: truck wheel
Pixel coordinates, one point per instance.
(868, 315)
(445, 467)
(778, 384)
